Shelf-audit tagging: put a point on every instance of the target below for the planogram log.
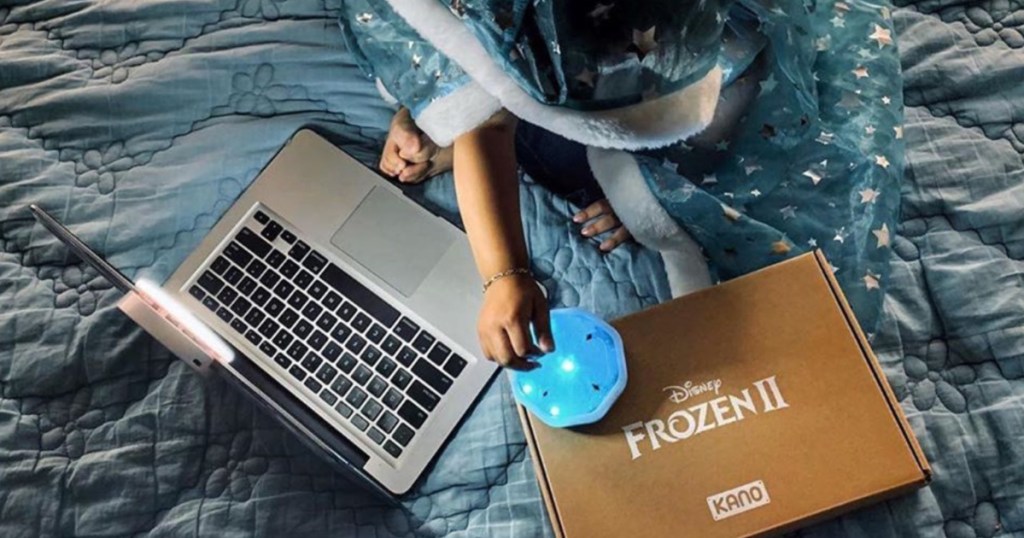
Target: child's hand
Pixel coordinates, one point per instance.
(510, 304)
(409, 155)
(600, 218)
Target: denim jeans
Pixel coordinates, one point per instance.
(557, 163)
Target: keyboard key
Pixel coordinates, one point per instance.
(403, 435)
(317, 291)
(315, 262)
(439, 353)
(302, 329)
(432, 376)
(254, 317)
(271, 231)
(370, 355)
(247, 286)
(376, 436)
(406, 329)
(423, 342)
(326, 373)
(362, 322)
(288, 317)
(297, 372)
(288, 236)
(341, 385)
(331, 300)
(392, 399)
(454, 366)
(225, 314)
(312, 311)
(303, 280)
(253, 337)
(391, 346)
(340, 333)
(261, 217)
(241, 306)
(412, 414)
(356, 397)
(197, 292)
(391, 448)
(361, 375)
(406, 356)
(233, 275)
(268, 349)
(423, 396)
(298, 251)
(289, 269)
(402, 379)
(312, 361)
(360, 295)
(332, 351)
(237, 254)
(297, 300)
(210, 303)
(239, 326)
(282, 360)
(343, 409)
(346, 311)
(317, 340)
(297, 350)
(275, 259)
(347, 363)
(260, 296)
(359, 422)
(326, 322)
(209, 282)
(387, 422)
(372, 409)
(328, 397)
(355, 344)
(377, 386)
(270, 279)
(256, 268)
(220, 265)
(269, 328)
(376, 333)
(274, 307)
(386, 367)
(253, 242)
(282, 339)
(283, 289)
(313, 385)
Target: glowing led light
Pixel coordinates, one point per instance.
(527, 388)
(568, 365)
(554, 410)
(186, 322)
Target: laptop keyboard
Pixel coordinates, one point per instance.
(346, 346)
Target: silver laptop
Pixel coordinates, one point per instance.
(357, 305)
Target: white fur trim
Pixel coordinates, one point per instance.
(458, 112)
(619, 176)
(653, 123)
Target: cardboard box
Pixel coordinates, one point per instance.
(753, 407)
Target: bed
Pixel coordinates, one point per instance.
(137, 124)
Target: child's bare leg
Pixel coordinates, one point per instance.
(409, 155)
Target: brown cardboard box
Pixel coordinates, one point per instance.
(753, 407)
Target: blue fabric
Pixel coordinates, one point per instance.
(139, 123)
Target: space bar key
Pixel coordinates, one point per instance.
(360, 295)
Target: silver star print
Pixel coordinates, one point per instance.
(788, 212)
(870, 130)
(899, 131)
(840, 235)
(586, 77)
(838, 22)
(722, 146)
(880, 160)
(825, 138)
(882, 235)
(644, 40)
(364, 18)
(865, 53)
(812, 242)
(871, 281)
(886, 100)
(868, 196)
(769, 84)
(756, 193)
(710, 179)
(416, 59)
(861, 72)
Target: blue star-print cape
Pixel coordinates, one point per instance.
(814, 163)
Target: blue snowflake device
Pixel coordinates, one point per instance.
(578, 382)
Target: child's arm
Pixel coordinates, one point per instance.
(488, 193)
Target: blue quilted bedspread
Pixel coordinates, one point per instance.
(138, 123)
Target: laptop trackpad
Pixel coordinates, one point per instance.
(392, 240)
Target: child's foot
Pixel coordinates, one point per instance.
(600, 218)
(410, 156)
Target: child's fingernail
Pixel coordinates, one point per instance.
(578, 217)
(587, 232)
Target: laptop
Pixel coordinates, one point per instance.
(351, 308)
